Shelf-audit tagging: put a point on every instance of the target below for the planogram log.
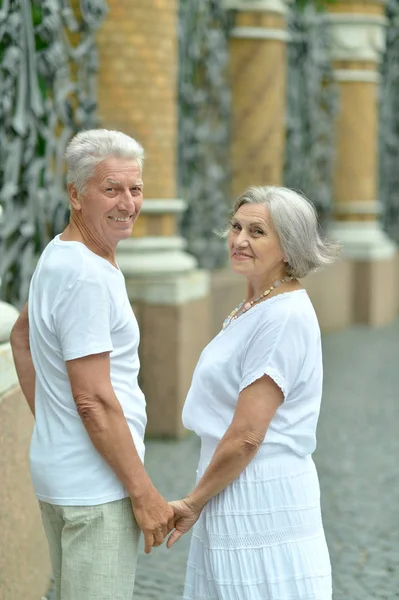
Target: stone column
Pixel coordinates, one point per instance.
(358, 39)
(137, 89)
(138, 95)
(258, 78)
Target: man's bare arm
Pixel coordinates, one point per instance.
(109, 432)
(20, 346)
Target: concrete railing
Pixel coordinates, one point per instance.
(24, 563)
(8, 376)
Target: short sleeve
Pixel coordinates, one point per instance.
(81, 320)
(277, 351)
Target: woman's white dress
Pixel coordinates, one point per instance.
(262, 537)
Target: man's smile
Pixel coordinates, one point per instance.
(121, 219)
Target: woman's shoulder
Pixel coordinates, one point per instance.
(290, 311)
(294, 303)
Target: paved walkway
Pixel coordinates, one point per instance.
(358, 463)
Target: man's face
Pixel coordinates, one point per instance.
(111, 201)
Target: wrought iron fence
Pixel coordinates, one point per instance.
(48, 63)
(311, 105)
(204, 126)
(389, 125)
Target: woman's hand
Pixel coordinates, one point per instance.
(186, 514)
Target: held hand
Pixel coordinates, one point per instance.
(154, 516)
(186, 514)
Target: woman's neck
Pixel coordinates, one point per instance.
(256, 288)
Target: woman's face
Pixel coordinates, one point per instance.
(254, 245)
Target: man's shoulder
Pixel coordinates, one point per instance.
(66, 264)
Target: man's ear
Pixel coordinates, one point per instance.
(74, 197)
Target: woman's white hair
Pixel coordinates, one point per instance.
(295, 221)
(88, 148)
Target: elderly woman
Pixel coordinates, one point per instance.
(255, 401)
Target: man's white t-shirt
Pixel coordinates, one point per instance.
(78, 305)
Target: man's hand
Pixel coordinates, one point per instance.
(186, 514)
(154, 516)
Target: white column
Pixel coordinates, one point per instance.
(156, 255)
(158, 270)
(276, 6)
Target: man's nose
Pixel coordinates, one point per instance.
(126, 201)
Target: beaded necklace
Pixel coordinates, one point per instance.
(245, 306)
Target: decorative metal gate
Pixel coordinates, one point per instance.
(204, 127)
(389, 126)
(311, 106)
(48, 63)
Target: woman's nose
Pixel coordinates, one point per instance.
(241, 239)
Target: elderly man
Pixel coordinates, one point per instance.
(75, 351)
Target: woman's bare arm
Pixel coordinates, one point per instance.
(256, 406)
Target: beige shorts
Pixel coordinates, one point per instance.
(93, 550)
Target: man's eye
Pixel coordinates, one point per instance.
(109, 189)
(259, 231)
(136, 190)
(235, 226)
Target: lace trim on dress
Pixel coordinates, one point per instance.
(270, 372)
(253, 582)
(235, 541)
(250, 482)
(214, 514)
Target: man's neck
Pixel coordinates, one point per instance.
(77, 232)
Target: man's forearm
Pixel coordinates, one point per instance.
(111, 436)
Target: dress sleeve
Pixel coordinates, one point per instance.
(275, 350)
(81, 320)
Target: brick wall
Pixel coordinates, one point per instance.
(137, 83)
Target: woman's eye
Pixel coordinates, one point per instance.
(235, 226)
(258, 231)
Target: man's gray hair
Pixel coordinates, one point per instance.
(295, 221)
(88, 148)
